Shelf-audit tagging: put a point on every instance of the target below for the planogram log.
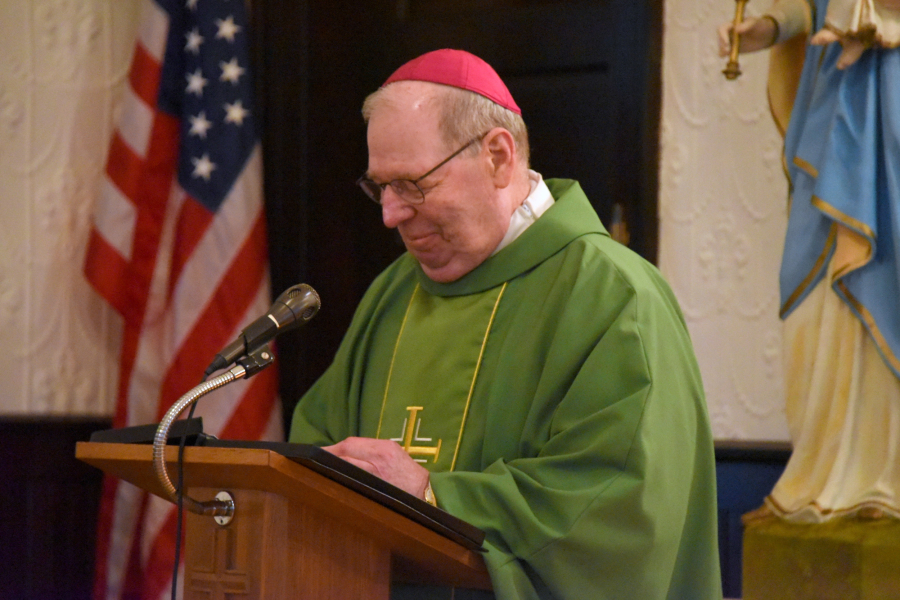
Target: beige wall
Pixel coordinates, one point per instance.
(722, 213)
(63, 65)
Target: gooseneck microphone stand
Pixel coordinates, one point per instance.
(222, 508)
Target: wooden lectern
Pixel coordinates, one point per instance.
(295, 532)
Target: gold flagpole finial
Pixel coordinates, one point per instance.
(732, 69)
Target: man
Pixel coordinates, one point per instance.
(537, 375)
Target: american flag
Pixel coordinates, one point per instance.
(178, 248)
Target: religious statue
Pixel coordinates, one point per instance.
(840, 273)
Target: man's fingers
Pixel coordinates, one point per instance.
(385, 459)
(375, 456)
(362, 464)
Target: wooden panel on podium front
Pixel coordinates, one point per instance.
(295, 533)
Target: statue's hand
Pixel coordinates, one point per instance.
(852, 48)
(755, 34)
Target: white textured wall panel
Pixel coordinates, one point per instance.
(722, 211)
(63, 69)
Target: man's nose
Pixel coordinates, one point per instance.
(394, 210)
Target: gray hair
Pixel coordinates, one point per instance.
(464, 116)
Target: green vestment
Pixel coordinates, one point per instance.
(560, 382)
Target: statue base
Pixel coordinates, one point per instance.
(842, 559)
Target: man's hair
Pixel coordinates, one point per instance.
(464, 116)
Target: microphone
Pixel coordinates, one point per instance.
(293, 308)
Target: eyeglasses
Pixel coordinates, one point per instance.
(407, 190)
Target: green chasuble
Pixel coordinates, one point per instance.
(554, 395)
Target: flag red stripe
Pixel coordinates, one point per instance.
(148, 183)
(105, 268)
(144, 75)
(133, 583)
(130, 341)
(104, 533)
(152, 201)
(225, 309)
(125, 168)
(162, 155)
(157, 571)
(251, 417)
(193, 222)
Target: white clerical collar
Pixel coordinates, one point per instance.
(538, 201)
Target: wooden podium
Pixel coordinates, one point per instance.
(295, 533)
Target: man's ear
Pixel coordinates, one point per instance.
(501, 148)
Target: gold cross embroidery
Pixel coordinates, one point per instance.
(411, 434)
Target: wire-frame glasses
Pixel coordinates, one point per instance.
(407, 190)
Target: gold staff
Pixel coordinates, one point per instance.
(732, 69)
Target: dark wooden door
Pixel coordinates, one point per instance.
(586, 75)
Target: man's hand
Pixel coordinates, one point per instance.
(386, 459)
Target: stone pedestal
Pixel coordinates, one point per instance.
(844, 559)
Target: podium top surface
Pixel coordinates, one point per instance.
(412, 531)
(368, 485)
